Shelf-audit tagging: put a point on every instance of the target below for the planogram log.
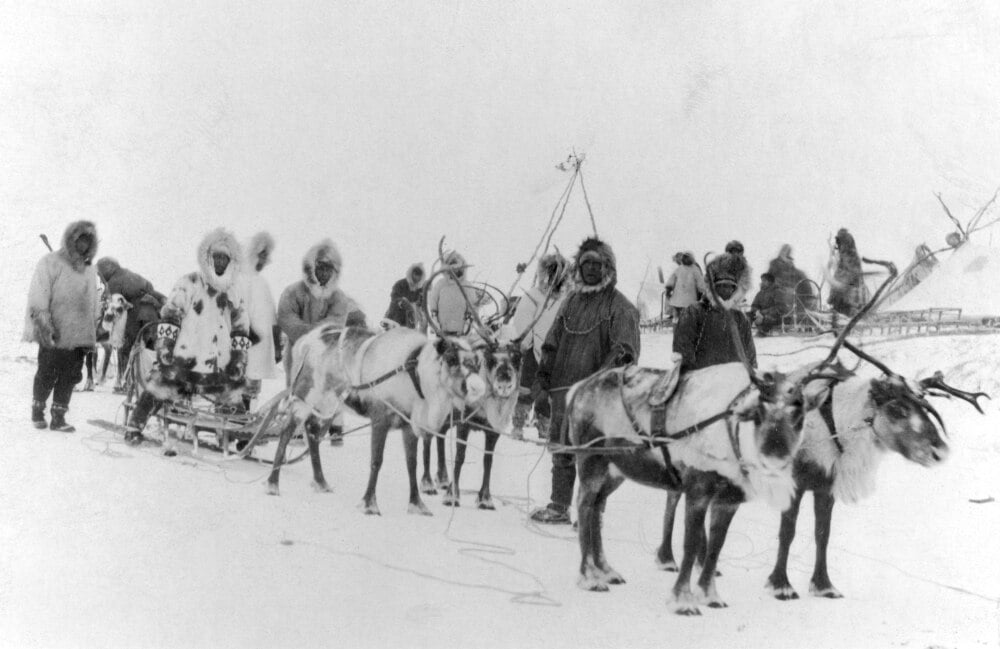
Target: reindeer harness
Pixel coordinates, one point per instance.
(657, 436)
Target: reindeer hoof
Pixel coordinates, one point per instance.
(718, 603)
(419, 508)
(170, 453)
(442, 483)
(829, 592)
(450, 500)
(486, 503)
(272, 489)
(689, 610)
(669, 565)
(370, 509)
(593, 584)
(427, 486)
(322, 487)
(614, 578)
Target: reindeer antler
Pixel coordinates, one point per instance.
(936, 382)
(863, 311)
(484, 331)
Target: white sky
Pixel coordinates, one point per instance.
(388, 125)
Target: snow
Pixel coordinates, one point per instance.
(111, 546)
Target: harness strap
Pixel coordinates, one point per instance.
(826, 411)
(409, 366)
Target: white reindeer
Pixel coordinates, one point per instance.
(398, 378)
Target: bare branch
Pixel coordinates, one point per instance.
(950, 215)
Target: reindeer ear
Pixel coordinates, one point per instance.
(812, 399)
(128, 305)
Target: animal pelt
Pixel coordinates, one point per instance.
(606, 254)
(324, 250)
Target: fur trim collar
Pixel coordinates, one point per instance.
(413, 284)
(593, 244)
(325, 250)
(220, 240)
(73, 232)
(260, 243)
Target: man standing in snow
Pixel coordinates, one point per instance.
(685, 285)
(450, 299)
(315, 299)
(596, 328)
(63, 306)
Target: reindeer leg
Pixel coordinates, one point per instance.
(778, 582)
(380, 429)
(315, 429)
(820, 584)
(452, 495)
(611, 576)
(416, 505)
(665, 553)
(442, 480)
(122, 358)
(723, 509)
(426, 484)
(104, 365)
(697, 499)
(279, 453)
(485, 500)
(594, 474)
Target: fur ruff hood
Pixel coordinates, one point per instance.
(73, 232)
(416, 285)
(220, 240)
(734, 268)
(327, 251)
(260, 243)
(593, 244)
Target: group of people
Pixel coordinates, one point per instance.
(785, 290)
(219, 331)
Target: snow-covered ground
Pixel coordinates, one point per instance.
(104, 545)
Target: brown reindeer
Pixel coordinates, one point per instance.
(857, 423)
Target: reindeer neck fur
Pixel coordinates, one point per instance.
(852, 471)
(498, 411)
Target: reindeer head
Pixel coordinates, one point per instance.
(114, 310)
(501, 368)
(777, 404)
(459, 368)
(902, 420)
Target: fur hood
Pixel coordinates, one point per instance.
(260, 243)
(325, 250)
(416, 285)
(734, 268)
(107, 267)
(220, 240)
(73, 232)
(552, 272)
(593, 244)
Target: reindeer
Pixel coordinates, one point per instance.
(398, 378)
(113, 322)
(500, 367)
(743, 450)
(855, 425)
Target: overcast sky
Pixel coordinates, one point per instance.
(388, 125)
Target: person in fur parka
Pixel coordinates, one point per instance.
(406, 294)
(265, 336)
(202, 338)
(596, 328)
(315, 299)
(847, 290)
(702, 336)
(63, 306)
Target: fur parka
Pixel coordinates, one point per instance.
(63, 301)
(305, 304)
(208, 308)
(404, 292)
(260, 308)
